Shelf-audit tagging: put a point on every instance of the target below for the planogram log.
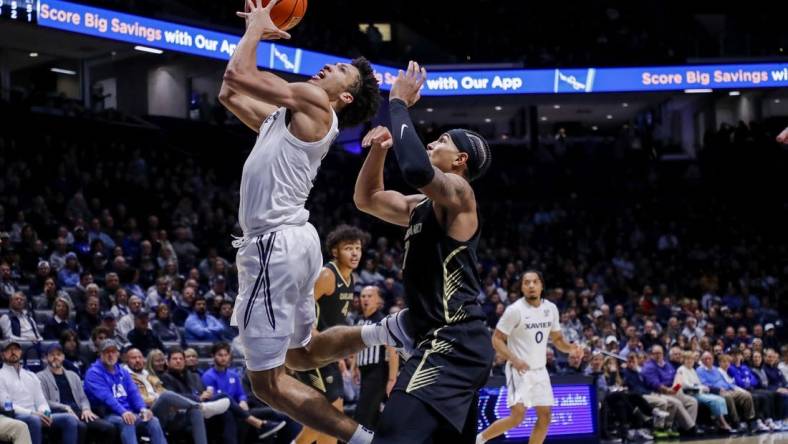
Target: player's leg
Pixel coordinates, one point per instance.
(543, 417)
(501, 426)
(302, 403)
(337, 342)
(406, 420)
(339, 404)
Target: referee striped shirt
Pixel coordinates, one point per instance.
(375, 354)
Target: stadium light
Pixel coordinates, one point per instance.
(33, 54)
(148, 50)
(734, 93)
(698, 90)
(67, 72)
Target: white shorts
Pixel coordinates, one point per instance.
(531, 388)
(275, 308)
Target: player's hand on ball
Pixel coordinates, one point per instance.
(520, 365)
(407, 86)
(783, 136)
(258, 18)
(379, 137)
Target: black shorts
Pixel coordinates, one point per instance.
(327, 380)
(448, 369)
(408, 420)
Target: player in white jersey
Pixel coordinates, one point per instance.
(279, 256)
(521, 338)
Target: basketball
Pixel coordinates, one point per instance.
(287, 13)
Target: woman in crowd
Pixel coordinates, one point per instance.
(690, 385)
(163, 326)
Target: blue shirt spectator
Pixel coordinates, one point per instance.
(68, 276)
(201, 326)
(711, 376)
(223, 379)
(657, 372)
(743, 376)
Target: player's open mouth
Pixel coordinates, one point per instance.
(320, 75)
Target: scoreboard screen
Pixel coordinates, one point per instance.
(19, 10)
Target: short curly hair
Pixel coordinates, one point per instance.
(366, 96)
(346, 233)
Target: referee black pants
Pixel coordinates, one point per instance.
(373, 393)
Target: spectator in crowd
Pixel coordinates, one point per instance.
(225, 317)
(631, 409)
(158, 293)
(43, 272)
(165, 404)
(740, 375)
(226, 381)
(90, 354)
(163, 326)
(663, 412)
(57, 260)
(68, 276)
(110, 387)
(776, 381)
(49, 293)
(142, 337)
(658, 375)
(89, 319)
(676, 357)
(69, 342)
(63, 390)
(783, 365)
(184, 305)
(60, 320)
(739, 401)
(192, 359)
(14, 431)
(18, 324)
(574, 366)
(201, 326)
(126, 323)
(23, 389)
(120, 308)
(109, 322)
(690, 384)
(157, 363)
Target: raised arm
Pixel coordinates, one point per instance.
(446, 189)
(265, 91)
(370, 196)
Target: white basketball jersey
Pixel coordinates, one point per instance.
(528, 328)
(278, 176)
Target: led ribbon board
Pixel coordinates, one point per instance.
(201, 42)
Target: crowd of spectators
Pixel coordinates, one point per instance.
(115, 248)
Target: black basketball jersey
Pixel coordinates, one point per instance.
(441, 281)
(332, 309)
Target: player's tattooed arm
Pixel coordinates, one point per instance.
(370, 195)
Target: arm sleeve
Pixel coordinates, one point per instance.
(508, 320)
(41, 401)
(5, 325)
(240, 395)
(411, 154)
(650, 377)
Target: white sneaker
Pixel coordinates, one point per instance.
(645, 435)
(213, 408)
(770, 424)
(760, 426)
(395, 335)
(659, 413)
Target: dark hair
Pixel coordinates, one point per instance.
(366, 96)
(67, 335)
(346, 233)
(174, 350)
(99, 330)
(220, 346)
(531, 270)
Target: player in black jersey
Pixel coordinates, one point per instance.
(435, 397)
(333, 296)
(375, 368)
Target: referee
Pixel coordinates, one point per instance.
(375, 366)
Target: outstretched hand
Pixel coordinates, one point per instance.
(407, 86)
(378, 137)
(258, 19)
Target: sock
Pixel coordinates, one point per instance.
(373, 334)
(479, 439)
(362, 435)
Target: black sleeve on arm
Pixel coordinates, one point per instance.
(411, 154)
